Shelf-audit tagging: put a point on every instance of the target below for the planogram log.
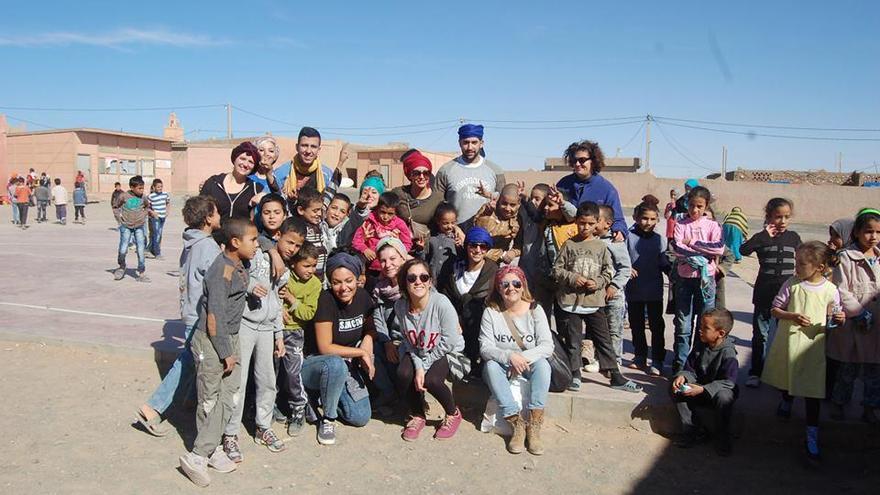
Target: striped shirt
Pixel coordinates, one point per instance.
(159, 202)
(776, 260)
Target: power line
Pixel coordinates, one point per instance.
(755, 134)
(674, 147)
(132, 109)
(401, 126)
(547, 128)
(29, 122)
(764, 126)
(488, 121)
(638, 131)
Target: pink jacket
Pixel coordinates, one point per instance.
(859, 286)
(396, 228)
(704, 237)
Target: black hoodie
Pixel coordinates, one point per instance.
(715, 369)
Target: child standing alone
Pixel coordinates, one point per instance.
(80, 199)
(160, 201)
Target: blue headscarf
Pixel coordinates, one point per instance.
(470, 130)
(478, 235)
(344, 260)
(691, 183)
(374, 182)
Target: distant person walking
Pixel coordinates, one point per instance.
(59, 197)
(23, 201)
(159, 203)
(80, 198)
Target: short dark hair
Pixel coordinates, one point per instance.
(404, 271)
(544, 188)
(117, 184)
(293, 224)
(135, 181)
(388, 200)
(156, 181)
(722, 318)
(307, 196)
(307, 251)
(235, 228)
(588, 209)
(606, 212)
(197, 209)
(58, 181)
(597, 158)
(273, 198)
(342, 197)
(309, 132)
(775, 203)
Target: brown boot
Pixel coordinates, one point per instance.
(517, 442)
(533, 431)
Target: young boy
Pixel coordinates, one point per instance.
(382, 222)
(615, 301)
(442, 245)
(215, 348)
(300, 304)
(22, 202)
(160, 201)
(583, 269)
(80, 199)
(708, 380)
(335, 220)
(502, 223)
(199, 251)
(310, 208)
(260, 337)
(59, 197)
(42, 195)
(132, 210)
(117, 190)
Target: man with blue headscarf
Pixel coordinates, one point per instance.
(460, 179)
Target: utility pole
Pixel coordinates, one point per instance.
(228, 121)
(648, 119)
(724, 163)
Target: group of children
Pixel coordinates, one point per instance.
(134, 213)
(29, 191)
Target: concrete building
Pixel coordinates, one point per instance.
(616, 164)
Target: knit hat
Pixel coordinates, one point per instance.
(249, 148)
(691, 183)
(394, 242)
(374, 182)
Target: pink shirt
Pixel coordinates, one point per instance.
(396, 227)
(704, 237)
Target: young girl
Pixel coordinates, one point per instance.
(382, 222)
(775, 246)
(697, 244)
(647, 251)
(796, 362)
(443, 244)
(857, 344)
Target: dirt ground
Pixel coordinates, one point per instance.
(68, 428)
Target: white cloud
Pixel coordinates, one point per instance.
(118, 38)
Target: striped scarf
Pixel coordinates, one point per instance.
(737, 219)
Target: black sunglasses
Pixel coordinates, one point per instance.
(479, 245)
(580, 160)
(423, 277)
(426, 173)
(515, 283)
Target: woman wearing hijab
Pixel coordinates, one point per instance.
(234, 193)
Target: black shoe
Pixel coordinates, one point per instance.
(296, 424)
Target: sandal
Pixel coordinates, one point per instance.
(155, 426)
(629, 386)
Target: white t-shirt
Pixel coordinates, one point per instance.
(467, 281)
(59, 195)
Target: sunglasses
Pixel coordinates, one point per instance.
(580, 161)
(416, 173)
(517, 284)
(422, 277)
(480, 246)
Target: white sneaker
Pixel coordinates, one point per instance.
(195, 467)
(753, 381)
(592, 367)
(221, 462)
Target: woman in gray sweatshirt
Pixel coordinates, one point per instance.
(429, 324)
(515, 340)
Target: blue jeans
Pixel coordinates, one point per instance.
(538, 375)
(733, 238)
(762, 325)
(328, 374)
(689, 305)
(386, 371)
(125, 235)
(178, 381)
(15, 212)
(156, 227)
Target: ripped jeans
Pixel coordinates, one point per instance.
(218, 394)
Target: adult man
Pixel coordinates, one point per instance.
(461, 180)
(306, 169)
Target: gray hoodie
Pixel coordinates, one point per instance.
(199, 251)
(263, 314)
(622, 264)
(431, 334)
(497, 342)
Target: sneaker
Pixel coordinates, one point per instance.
(753, 381)
(221, 462)
(296, 424)
(279, 416)
(149, 255)
(140, 277)
(413, 428)
(195, 467)
(812, 444)
(118, 274)
(593, 367)
(327, 432)
(638, 364)
(268, 438)
(448, 426)
(575, 385)
(230, 446)
(655, 371)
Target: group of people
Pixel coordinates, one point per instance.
(337, 311)
(140, 219)
(31, 191)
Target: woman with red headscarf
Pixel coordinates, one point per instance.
(418, 199)
(234, 194)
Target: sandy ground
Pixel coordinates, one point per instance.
(68, 428)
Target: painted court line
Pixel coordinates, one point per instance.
(74, 311)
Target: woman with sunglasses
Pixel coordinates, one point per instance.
(418, 199)
(515, 340)
(467, 282)
(429, 325)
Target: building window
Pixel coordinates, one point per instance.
(148, 168)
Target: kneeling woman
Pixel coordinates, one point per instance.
(429, 325)
(515, 340)
(339, 352)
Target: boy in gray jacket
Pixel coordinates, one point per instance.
(615, 301)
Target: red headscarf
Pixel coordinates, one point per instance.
(501, 273)
(415, 160)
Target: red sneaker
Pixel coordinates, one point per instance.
(413, 428)
(449, 426)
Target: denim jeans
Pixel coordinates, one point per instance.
(61, 213)
(15, 212)
(156, 227)
(125, 235)
(762, 326)
(538, 375)
(178, 382)
(689, 305)
(328, 374)
(41, 210)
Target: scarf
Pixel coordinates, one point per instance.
(297, 167)
(699, 262)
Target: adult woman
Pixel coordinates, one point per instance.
(232, 191)
(265, 173)
(585, 184)
(467, 283)
(515, 340)
(430, 328)
(392, 255)
(339, 352)
(418, 199)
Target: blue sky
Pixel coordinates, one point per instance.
(381, 64)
